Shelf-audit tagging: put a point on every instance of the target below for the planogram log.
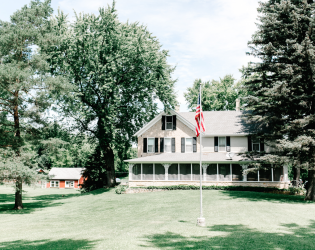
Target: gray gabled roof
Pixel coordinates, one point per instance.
(219, 122)
(65, 173)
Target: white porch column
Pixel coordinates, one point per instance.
(153, 171)
(244, 167)
(285, 173)
(130, 171)
(166, 167)
(204, 167)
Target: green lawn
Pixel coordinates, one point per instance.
(64, 219)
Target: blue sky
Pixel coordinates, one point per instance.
(207, 39)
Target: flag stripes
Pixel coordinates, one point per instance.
(200, 127)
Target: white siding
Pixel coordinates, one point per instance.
(238, 143)
(208, 144)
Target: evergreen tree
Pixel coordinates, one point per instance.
(23, 85)
(282, 84)
(216, 95)
(116, 70)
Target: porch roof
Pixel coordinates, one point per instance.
(216, 157)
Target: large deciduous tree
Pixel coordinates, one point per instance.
(117, 70)
(216, 95)
(283, 90)
(23, 95)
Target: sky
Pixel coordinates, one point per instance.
(206, 39)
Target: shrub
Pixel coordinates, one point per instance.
(120, 189)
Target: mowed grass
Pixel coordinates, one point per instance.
(65, 219)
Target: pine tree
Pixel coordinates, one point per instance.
(282, 90)
(23, 95)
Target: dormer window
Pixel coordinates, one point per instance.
(169, 122)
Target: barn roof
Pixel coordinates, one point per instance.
(65, 173)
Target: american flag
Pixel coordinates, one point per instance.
(197, 118)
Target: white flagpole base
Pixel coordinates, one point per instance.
(201, 222)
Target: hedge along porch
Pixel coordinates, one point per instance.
(222, 172)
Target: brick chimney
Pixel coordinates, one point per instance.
(238, 104)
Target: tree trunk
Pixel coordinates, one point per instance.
(310, 192)
(18, 183)
(297, 175)
(110, 167)
(18, 194)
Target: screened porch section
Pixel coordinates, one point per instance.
(217, 172)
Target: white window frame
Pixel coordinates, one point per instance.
(169, 122)
(54, 184)
(192, 144)
(165, 143)
(219, 143)
(69, 186)
(258, 142)
(148, 145)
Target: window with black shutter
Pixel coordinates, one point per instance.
(163, 122)
(145, 145)
(161, 145)
(173, 145)
(156, 145)
(169, 122)
(183, 145)
(216, 143)
(249, 142)
(174, 122)
(194, 144)
(262, 144)
(228, 144)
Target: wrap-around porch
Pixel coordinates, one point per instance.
(163, 174)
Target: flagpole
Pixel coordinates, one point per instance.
(200, 221)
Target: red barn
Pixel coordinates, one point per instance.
(65, 178)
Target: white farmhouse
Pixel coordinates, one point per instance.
(169, 153)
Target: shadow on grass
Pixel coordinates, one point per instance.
(257, 196)
(238, 237)
(47, 244)
(39, 202)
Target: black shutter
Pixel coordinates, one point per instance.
(228, 144)
(194, 144)
(216, 143)
(262, 144)
(183, 145)
(249, 140)
(156, 145)
(145, 140)
(161, 145)
(174, 122)
(163, 122)
(173, 145)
